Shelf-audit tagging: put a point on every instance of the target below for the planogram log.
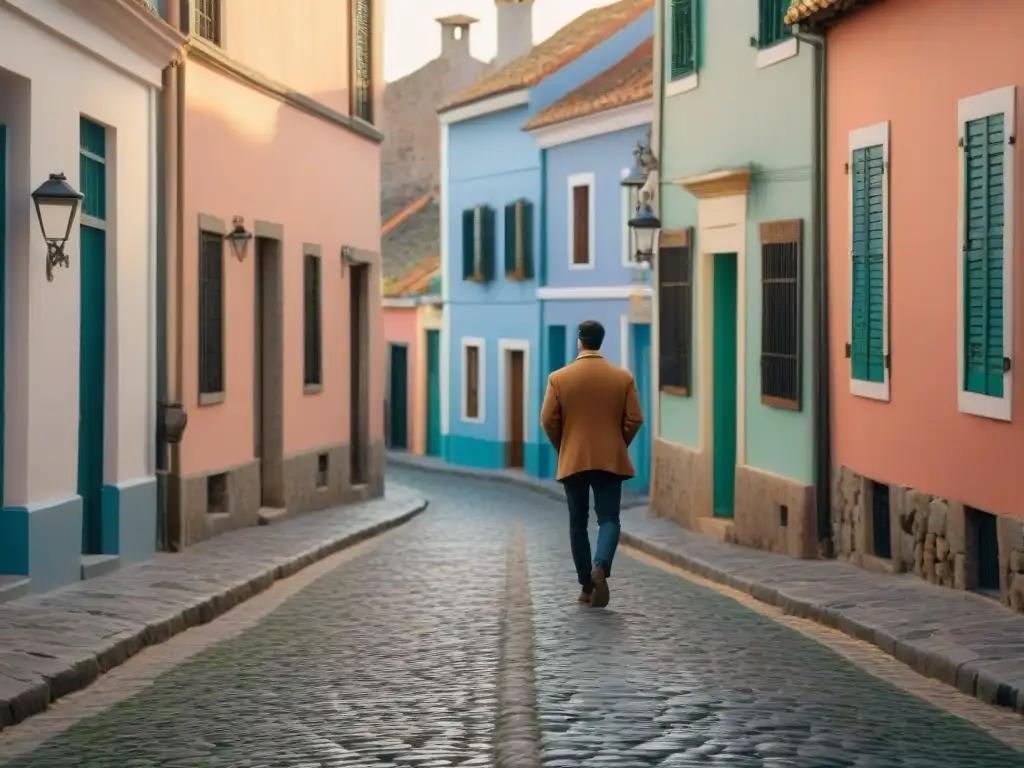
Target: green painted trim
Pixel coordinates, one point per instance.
(724, 387)
(14, 550)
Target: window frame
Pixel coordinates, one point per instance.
(312, 386)
(210, 396)
(683, 81)
(669, 241)
(353, 62)
(217, 21)
(785, 47)
(776, 233)
(998, 101)
(575, 181)
(863, 138)
(478, 343)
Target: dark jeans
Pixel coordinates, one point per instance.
(607, 499)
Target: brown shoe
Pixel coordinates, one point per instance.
(601, 595)
(585, 596)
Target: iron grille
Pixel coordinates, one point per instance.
(881, 526)
(675, 317)
(780, 321)
(312, 367)
(206, 21)
(211, 313)
(984, 550)
(362, 64)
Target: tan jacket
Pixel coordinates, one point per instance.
(591, 414)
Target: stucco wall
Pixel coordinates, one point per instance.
(892, 63)
(45, 87)
(241, 149)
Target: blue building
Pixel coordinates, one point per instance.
(587, 139)
(494, 238)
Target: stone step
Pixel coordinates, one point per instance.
(270, 515)
(99, 565)
(13, 586)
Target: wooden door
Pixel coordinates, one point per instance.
(516, 386)
(724, 393)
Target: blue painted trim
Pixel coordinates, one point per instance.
(3, 302)
(110, 516)
(541, 468)
(14, 541)
(43, 541)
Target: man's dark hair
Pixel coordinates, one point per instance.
(591, 334)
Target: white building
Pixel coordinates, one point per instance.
(79, 88)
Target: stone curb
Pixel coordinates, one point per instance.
(60, 678)
(530, 483)
(974, 678)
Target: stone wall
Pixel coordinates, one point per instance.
(762, 523)
(930, 537)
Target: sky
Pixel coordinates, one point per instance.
(412, 37)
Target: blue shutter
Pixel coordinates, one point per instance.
(468, 245)
(868, 254)
(984, 141)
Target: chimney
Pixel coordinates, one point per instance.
(515, 29)
(455, 36)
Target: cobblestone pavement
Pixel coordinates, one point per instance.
(393, 660)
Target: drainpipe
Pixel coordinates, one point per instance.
(542, 280)
(821, 388)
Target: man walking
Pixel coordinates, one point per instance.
(591, 414)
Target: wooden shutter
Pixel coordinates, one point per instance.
(781, 313)
(487, 245)
(312, 373)
(469, 244)
(211, 313)
(472, 374)
(525, 216)
(581, 225)
(772, 29)
(867, 351)
(675, 311)
(984, 141)
(684, 38)
(511, 241)
(519, 240)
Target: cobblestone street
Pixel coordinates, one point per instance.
(395, 658)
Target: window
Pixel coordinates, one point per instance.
(311, 322)
(868, 348)
(771, 29)
(683, 30)
(781, 316)
(675, 310)
(211, 313)
(519, 240)
(581, 221)
(362, 59)
(472, 380)
(985, 259)
(478, 244)
(206, 21)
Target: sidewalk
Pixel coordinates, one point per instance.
(958, 638)
(59, 642)
(550, 488)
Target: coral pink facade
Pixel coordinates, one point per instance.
(910, 64)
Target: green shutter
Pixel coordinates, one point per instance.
(511, 265)
(468, 245)
(684, 26)
(487, 243)
(526, 237)
(868, 254)
(771, 29)
(984, 142)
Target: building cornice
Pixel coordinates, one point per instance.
(733, 181)
(217, 59)
(594, 124)
(486, 106)
(134, 26)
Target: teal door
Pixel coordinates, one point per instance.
(640, 365)
(433, 426)
(557, 358)
(3, 294)
(724, 392)
(92, 337)
(398, 397)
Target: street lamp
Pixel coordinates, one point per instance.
(239, 238)
(645, 226)
(56, 204)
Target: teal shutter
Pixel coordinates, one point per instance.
(468, 245)
(487, 243)
(684, 28)
(868, 343)
(511, 232)
(771, 29)
(984, 141)
(526, 238)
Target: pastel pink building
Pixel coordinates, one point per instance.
(275, 344)
(928, 408)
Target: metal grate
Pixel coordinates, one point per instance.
(362, 59)
(780, 314)
(771, 28)
(312, 342)
(675, 318)
(684, 38)
(206, 20)
(881, 525)
(211, 313)
(984, 550)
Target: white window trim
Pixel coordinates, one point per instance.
(580, 180)
(871, 136)
(682, 85)
(781, 51)
(505, 346)
(481, 390)
(1001, 100)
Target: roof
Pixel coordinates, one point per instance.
(415, 207)
(573, 40)
(408, 238)
(631, 80)
(815, 10)
(416, 281)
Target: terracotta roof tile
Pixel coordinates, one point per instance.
(410, 241)
(802, 10)
(629, 81)
(416, 280)
(567, 44)
(415, 207)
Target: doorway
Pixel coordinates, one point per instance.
(268, 396)
(3, 291)
(724, 389)
(398, 397)
(640, 365)
(433, 420)
(359, 383)
(515, 411)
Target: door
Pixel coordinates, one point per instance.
(557, 358)
(268, 394)
(514, 447)
(358, 371)
(433, 420)
(724, 390)
(91, 384)
(640, 364)
(398, 396)
(3, 293)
